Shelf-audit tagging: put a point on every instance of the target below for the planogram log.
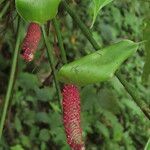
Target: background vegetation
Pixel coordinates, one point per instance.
(110, 119)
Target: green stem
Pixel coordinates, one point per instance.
(11, 82)
(51, 61)
(60, 41)
(147, 147)
(4, 9)
(142, 105)
(132, 92)
(82, 26)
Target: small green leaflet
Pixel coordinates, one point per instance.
(98, 66)
(146, 71)
(97, 6)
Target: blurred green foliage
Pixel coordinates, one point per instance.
(146, 71)
(110, 120)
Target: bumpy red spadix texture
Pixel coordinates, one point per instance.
(31, 41)
(71, 117)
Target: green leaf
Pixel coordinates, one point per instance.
(44, 135)
(45, 94)
(17, 147)
(28, 117)
(58, 134)
(25, 140)
(146, 71)
(37, 11)
(102, 129)
(89, 98)
(17, 124)
(98, 66)
(42, 117)
(108, 100)
(28, 81)
(131, 105)
(98, 5)
(43, 146)
(116, 126)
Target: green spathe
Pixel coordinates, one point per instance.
(38, 11)
(98, 66)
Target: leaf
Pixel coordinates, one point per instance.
(43, 117)
(37, 11)
(131, 105)
(86, 122)
(57, 131)
(44, 135)
(28, 117)
(17, 124)
(146, 71)
(25, 140)
(17, 147)
(89, 98)
(98, 5)
(102, 129)
(45, 94)
(55, 117)
(116, 126)
(58, 134)
(28, 81)
(98, 66)
(108, 100)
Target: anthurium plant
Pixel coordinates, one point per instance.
(37, 28)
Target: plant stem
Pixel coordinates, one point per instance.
(147, 147)
(143, 106)
(11, 82)
(82, 26)
(51, 61)
(60, 41)
(132, 92)
(4, 9)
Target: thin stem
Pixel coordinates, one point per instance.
(4, 9)
(11, 82)
(147, 145)
(51, 61)
(133, 93)
(60, 41)
(142, 105)
(82, 26)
